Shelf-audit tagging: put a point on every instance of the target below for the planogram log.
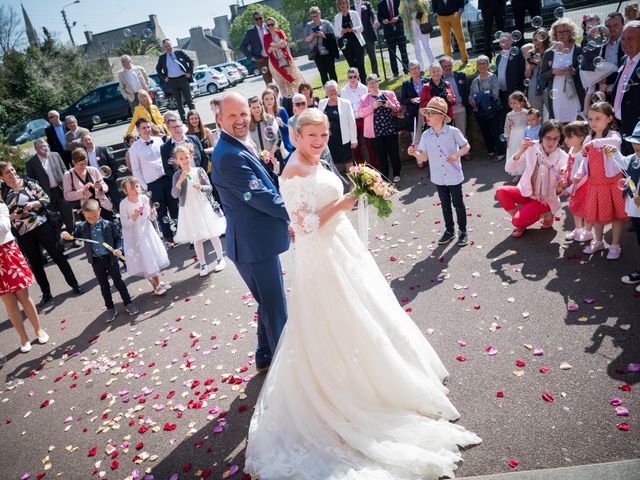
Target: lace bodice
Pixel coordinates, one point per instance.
(304, 196)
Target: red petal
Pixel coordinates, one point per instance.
(392, 258)
(520, 363)
(626, 387)
(500, 394)
(544, 369)
(45, 404)
(186, 468)
(139, 445)
(171, 393)
(513, 463)
(623, 426)
(40, 475)
(103, 396)
(461, 358)
(92, 452)
(547, 397)
(115, 464)
(242, 408)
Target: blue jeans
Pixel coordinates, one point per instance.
(266, 284)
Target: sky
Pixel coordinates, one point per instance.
(174, 16)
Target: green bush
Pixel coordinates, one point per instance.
(242, 23)
(17, 157)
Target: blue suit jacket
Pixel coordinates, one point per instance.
(251, 45)
(257, 222)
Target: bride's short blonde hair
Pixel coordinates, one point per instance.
(311, 116)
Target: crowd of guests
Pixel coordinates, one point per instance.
(562, 117)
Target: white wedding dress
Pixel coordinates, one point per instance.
(355, 390)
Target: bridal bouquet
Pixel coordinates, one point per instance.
(368, 181)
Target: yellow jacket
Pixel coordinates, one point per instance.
(142, 112)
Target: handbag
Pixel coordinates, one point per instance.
(488, 106)
(426, 28)
(313, 53)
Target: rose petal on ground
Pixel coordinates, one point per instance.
(538, 352)
(513, 463)
(622, 411)
(520, 363)
(500, 394)
(623, 426)
(547, 397)
(573, 307)
(544, 369)
(565, 366)
(92, 452)
(615, 402)
(461, 358)
(633, 367)
(625, 387)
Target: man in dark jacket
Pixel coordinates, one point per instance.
(449, 16)
(369, 21)
(176, 68)
(100, 158)
(393, 27)
(626, 91)
(55, 134)
(460, 85)
(178, 137)
(491, 10)
(520, 8)
(252, 46)
(509, 70)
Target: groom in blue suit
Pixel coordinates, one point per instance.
(257, 222)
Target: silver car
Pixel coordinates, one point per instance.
(230, 71)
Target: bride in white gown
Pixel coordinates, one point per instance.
(355, 390)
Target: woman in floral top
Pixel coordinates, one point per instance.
(27, 205)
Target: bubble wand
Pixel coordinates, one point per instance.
(104, 244)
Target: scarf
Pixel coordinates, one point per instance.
(268, 40)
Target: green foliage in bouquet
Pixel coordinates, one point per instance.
(368, 181)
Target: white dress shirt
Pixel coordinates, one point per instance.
(132, 79)
(611, 52)
(146, 161)
(354, 95)
(46, 164)
(261, 33)
(93, 159)
(502, 70)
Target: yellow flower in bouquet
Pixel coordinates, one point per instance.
(368, 181)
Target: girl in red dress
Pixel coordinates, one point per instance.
(15, 278)
(605, 203)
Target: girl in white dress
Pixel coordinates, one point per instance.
(355, 390)
(143, 248)
(514, 126)
(197, 219)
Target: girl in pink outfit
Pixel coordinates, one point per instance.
(605, 203)
(538, 188)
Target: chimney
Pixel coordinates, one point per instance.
(89, 36)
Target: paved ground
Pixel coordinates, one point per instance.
(101, 386)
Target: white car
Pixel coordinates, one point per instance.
(209, 81)
(242, 70)
(230, 71)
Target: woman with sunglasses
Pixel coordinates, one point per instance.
(538, 189)
(283, 69)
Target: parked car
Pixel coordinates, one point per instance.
(27, 132)
(231, 72)
(209, 81)
(242, 70)
(170, 101)
(105, 104)
(250, 65)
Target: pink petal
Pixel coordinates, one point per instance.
(615, 402)
(622, 411)
(25, 476)
(633, 367)
(462, 343)
(573, 307)
(538, 352)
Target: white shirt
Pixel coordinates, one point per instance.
(133, 80)
(354, 96)
(611, 52)
(625, 75)
(261, 32)
(93, 159)
(502, 70)
(46, 164)
(146, 161)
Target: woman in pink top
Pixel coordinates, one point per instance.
(377, 108)
(538, 188)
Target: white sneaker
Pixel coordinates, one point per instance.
(584, 236)
(573, 235)
(614, 252)
(396, 179)
(220, 265)
(44, 338)
(159, 291)
(24, 348)
(204, 270)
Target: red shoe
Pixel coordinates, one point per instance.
(518, 232)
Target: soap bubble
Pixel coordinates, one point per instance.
(537, 57)
(558, 12)
(122, 169)
(264, 70)
(580, 59)
(166, 220)
(626, 87)
(492, 67)
(147, 33)
(514, 51)
(105, 170)
(526, 82)
(497, 35)
(254, 184)
(156, 205)
(537, 22)
(598, 62)
(270, 133)
(622, 183)
(247, 196)
(516, 35)
(126, 32)
(503, 138)
(598, 36)
(96, 119)
(541, 35)
(553, 93)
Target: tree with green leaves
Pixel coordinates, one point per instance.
(137, 46)
(299, 9)
(242, 23)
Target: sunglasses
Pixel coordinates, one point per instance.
(551, 139)
(300, 104)
(271, 24)
(433, 114)
(257, 18)
(352, 76)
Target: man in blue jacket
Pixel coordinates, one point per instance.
(252, 46)
(257, 222)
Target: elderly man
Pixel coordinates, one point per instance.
(132, 78)
(460, 85)
(178, 137)
(252, 46)
(257, 221)
(73, 137)
(626, 91)
(100, 157)
(47, 168)
(55, 133)
(176, 68)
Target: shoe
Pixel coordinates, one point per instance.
(132, 309)
(614, 252)
(547, 223)
(396, 179)
(584, 236)
(112, 313)
(25, 347)
(518, 232)
(220, 265)
(632, 279)
(491, 155)
(463, 64)
(573, 235)
(638, 289)
(499, 158)
(594, 247)
(43, 338)
(446, 238)
(463, 239)
(159, 291)
(263, 368)
(204, 270)
(166, 286)
(78, 290)
(46, 298)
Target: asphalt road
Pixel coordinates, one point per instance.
(100, 386)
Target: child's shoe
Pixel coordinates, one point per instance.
(585, 236)
(573, 235)
(614, 252)
(594, 247)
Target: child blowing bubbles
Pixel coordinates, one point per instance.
(103, 261)
(443, 146)
(144, 250)
(574, 135)
(197, 220)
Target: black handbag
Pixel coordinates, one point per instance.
(313, 53)
(426, 28)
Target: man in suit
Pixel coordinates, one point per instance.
(370, 24)
(100, 157)
(520, 8)
(47, 168)
(73, 137)
(509, 70)
(392, 25)
(257, 222)
(176, 68)
(449, 16)
(178, 137)
(626, 90)
(252, 46)
(491, 10)
(460, 85)
(55, 133)
(132, 79)
(410, 98)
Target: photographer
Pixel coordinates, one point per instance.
(348, 27)
(323, 49)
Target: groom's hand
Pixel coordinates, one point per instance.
(292, 234)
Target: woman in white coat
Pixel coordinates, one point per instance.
(343, 135)
(348, 30)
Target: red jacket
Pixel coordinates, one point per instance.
(425, 96)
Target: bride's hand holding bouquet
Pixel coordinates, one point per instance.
(368, 181)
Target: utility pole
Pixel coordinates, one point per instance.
(66, 22)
